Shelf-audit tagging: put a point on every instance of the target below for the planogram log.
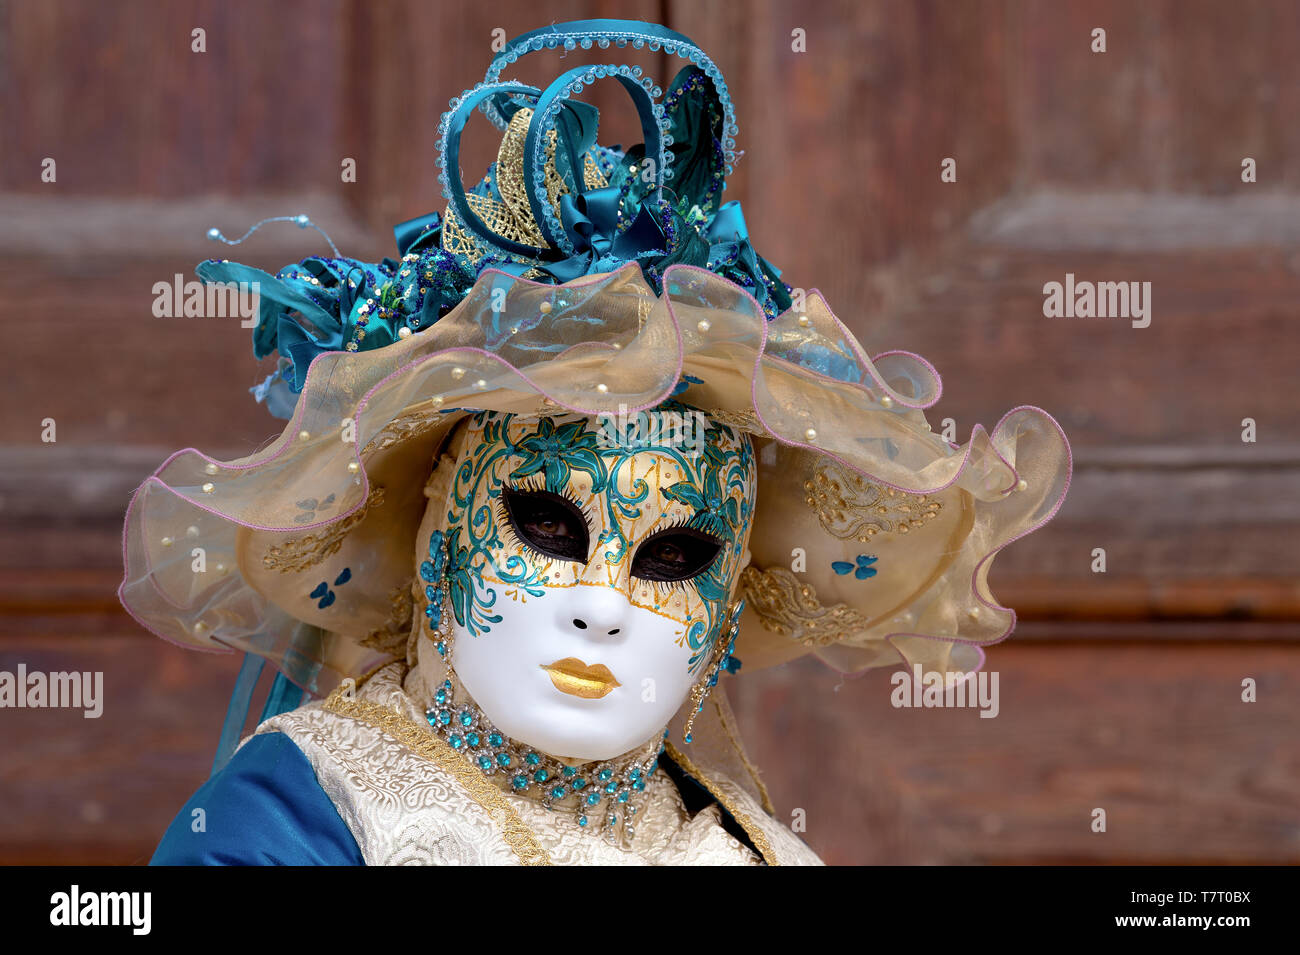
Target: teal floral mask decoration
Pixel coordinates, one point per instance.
(543, 504)
(557, 452)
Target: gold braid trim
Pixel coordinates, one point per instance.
(756, 835)
(521, 839)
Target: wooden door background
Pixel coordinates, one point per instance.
(1120, 690)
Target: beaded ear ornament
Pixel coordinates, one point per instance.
(725, 661)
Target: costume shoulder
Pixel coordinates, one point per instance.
(265, 807)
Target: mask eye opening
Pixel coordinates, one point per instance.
(527, 510)
(700, 551)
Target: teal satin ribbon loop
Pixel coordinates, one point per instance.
(728, 225)
(535, 146)
(608, 29)
(591, 225)
(456, 186)
(277, 328)
(591, 218)
(576, 126)
(407, 234)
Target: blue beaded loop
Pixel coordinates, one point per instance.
(620, 32)
(499, 101)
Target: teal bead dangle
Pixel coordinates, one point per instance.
(726, 643)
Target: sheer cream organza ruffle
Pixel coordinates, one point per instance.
(341, 489)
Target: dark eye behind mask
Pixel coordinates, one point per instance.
(549, 523)
(677, 553)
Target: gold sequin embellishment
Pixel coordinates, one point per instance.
(852, 508)
(790, 607)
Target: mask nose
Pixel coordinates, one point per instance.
(597, 613)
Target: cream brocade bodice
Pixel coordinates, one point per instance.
(408, 799)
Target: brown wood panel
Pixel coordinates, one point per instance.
(840, 182)
(91, 355)
(843, 143)
(1119, 690)
(1186, 89)
(102, 791)
(113, 92)
(1220, 347)
(1155, 735)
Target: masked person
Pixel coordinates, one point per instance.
(546, 480)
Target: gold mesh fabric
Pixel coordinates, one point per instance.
(511, 217)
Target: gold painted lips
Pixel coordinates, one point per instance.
(576, 678)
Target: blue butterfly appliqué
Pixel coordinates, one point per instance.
(686, 382)
(863, 570)
(324, 594)
(312, 508)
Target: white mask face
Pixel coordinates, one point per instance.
(590, 580)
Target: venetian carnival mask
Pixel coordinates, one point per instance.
(590, 571)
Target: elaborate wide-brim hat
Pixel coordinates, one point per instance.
(872, 538)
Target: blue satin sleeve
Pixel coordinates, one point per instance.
(264, 808)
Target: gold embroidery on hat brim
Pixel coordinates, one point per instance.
(301, 553)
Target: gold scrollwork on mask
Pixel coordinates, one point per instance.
(299, 553)
(790, 607)
(851, 507)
